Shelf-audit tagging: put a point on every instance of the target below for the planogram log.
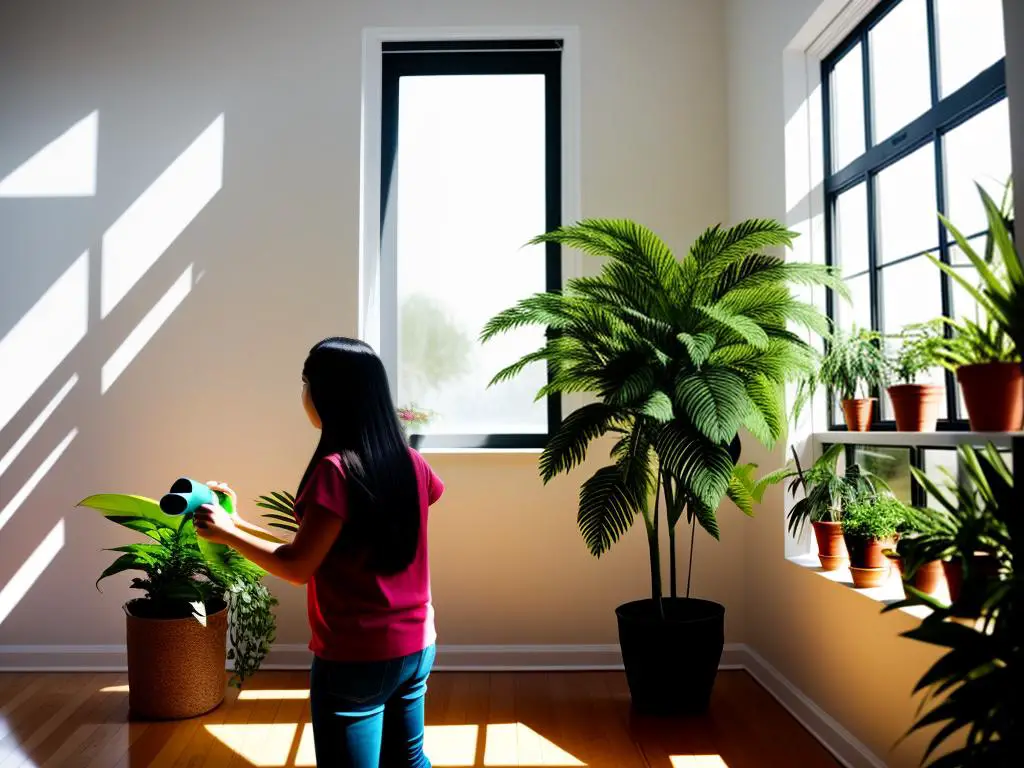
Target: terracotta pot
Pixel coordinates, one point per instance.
(176, 667)
(916, 406)
(858, 413)
(930, 577)
(831, 547)
(994, 395)
(865, 578)
(984, 563)
(867, 553)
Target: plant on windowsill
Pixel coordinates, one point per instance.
(853, 367)
(196, 596)
(825, 494)
(680, 355)
(973, 691)
(411, 417)
(921, 525)
(870, 525)
(986, 354)
(916, 406)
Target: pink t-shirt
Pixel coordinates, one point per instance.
(357, 615)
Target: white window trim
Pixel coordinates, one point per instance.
(374, 309)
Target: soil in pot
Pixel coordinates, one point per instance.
(671, 663)
(858, 413)
(865, 578)
(831, 547)
(916, 406)
(994, 395)
(176, 666)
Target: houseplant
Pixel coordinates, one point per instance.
(972, 692)
(916, 406)
(926, 575)
(853, 367)
(987, 353)
(197, 597)
(825, 494)
(679, 355)
(870, 524)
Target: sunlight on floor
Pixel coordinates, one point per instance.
(66, 167)
(115, 689)
(518, 744)
(22, 581)
(698, 761)
(291, 694)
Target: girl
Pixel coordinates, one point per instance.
(362, 549)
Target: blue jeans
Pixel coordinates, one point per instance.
(370, 714)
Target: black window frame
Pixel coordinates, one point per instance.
(472, 57)
(985, 90)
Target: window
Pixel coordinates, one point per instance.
(470, 172)
(915, 115)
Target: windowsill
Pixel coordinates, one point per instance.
(887, 594)
(918, 439)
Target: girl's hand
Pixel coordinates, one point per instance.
(225, 489)
(214, 524)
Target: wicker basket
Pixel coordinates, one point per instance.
(176, 667)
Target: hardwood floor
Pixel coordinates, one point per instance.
(473, 719)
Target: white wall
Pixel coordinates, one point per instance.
(215, 393)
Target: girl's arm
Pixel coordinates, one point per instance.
(256, 530)
(295, 562)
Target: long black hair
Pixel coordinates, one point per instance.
(350, 392)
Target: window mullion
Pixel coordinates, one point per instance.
(933, 52)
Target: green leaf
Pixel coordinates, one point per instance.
(743, 326)
(607, 509)
(567, 447)
(706, 517)
(658, 407)
(698, 346)
(715, 401)
(702, 467)
(126, 562)
(117, 507)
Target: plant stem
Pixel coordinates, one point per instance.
(655, 553)
(689, 571)
(799, 469)
(673, 518)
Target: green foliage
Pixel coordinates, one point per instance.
(919, 350)
(185, 575)
(855, 363)
(680, 355)
(973, 343)
(435, 350)
(282, 510)
(874, 517)
(973, 691)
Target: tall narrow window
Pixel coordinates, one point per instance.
(471, 171)
(915, 115)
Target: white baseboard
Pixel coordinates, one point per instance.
(489, 658)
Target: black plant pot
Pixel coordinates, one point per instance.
(671, 663)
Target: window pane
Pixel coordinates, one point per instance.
(977, 152)
(471, 191)
(957, 257)
(906, 206)
(911, 293)
(937, 463)
(900, 76)
(851, 230)
(858, 311)
(847, 109)
(965, 307)
(970, 39)
(890, 464)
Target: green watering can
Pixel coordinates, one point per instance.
(187, 496)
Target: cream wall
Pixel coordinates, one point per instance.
(215, 393)
(830, 642)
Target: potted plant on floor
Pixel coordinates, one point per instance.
(854, 366)
(826, 493)
(973, 689)
(986, 353)
(870, 524)
(916, 406)
(197, 597)
(679, 355)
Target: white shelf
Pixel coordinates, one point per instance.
(1001, 440)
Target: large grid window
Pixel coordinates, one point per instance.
(470, 172)
(915, 114)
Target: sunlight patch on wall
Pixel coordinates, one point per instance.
(147, 228)
(145, 330)
(31, 570)
(36, 425)
(43, 337)
(30, 485)
(66, 167)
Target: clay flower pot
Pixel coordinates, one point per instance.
(916, 406)
(831, 547)
(858, 413)
(866, 578)
(867, 553)
(994, 395)
(930, 577)
(984, 563)
(176, 667)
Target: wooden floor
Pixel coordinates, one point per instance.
(473, 719)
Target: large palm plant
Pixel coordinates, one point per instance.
(680, 355)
